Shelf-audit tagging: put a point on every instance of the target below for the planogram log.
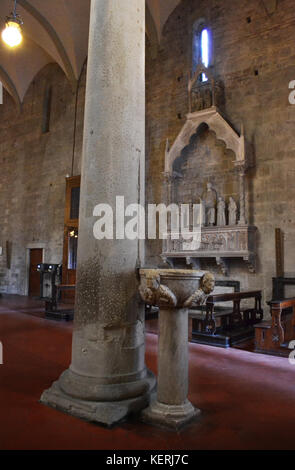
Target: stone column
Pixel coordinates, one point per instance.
(173, 356)
(107, 378)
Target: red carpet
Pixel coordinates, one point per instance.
(248, 400)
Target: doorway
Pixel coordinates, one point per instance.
(71, 237)
(36, 257)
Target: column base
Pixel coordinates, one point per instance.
(106, 413)
(170, 416)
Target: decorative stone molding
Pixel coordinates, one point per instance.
(204, 94)
(241, 170)
(221, 243)
(214, 120)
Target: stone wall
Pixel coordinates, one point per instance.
(33, 169)
(254, 57)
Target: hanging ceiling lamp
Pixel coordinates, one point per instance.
(12, 34)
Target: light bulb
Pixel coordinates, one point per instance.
(12, 34)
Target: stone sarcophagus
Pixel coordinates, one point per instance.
(220, 243)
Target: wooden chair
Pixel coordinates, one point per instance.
(274, 336)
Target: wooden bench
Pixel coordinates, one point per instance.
(274, 336)
(226, 326)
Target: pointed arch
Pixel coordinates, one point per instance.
(55, 39)
(10, 87)
(151, 31)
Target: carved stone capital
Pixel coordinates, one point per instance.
(175, 288)
(154, 293)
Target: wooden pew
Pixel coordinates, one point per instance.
(274, 336)
(226, 326)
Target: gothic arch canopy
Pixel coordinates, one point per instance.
(215, 122)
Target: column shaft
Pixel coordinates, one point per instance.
(108, 338)
(108, 341)
(173, 356)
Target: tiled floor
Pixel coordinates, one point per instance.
(248, 400)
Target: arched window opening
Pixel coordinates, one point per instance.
(204, 42)
(201, 48)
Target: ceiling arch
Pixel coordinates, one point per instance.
(57, 31)
(160, 11)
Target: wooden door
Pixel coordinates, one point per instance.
(71, 236)
(36, 257)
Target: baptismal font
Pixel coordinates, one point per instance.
(174, 291)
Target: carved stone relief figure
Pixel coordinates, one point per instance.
(207, 285)
(232, 212)
(153, 292)
(210, 199)
(221, 212)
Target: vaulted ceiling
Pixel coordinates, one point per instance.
(57, 31)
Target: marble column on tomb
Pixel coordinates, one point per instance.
(242, 174)
(107, 378)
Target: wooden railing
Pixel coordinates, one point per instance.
(235, 316)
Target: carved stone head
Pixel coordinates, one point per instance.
(207, 283)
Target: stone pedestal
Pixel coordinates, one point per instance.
(107, 378)
(172, 408)
(174, 291)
